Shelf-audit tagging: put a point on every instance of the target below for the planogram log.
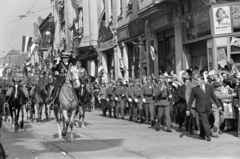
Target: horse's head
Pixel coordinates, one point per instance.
(83, 89)
(16, 90)
(73, 76)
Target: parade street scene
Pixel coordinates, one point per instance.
(124, 79)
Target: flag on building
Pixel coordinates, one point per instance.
(152, 52)
(26, 44)
(33, 49)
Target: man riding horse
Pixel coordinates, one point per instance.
(60, 69)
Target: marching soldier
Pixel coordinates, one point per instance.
(110, 99)
(129, 95)
(148, 101)
(118, 94)
(163, 104)
(138, 101)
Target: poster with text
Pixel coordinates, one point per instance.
(222, 20)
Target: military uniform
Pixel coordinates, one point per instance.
(118, 94)
(137, 102)
(111, 100)
(163, 105)
(149, 103)
(60, 71)
(129, 96)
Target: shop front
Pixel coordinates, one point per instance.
(107, 50)
(131, 48)
(211, 36)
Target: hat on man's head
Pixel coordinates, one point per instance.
(196, 73)
(119, 80)
(148, 78)
(65, 54)
(137, 80)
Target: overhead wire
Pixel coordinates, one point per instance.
(31, 7)
(9, 23)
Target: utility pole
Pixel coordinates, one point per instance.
(66, 15)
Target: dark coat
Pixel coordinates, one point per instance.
(203, 100)
(181, 97)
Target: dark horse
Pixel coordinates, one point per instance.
(39, 98)
(15, 104)
(84, 101)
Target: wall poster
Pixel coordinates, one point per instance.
(222, 20)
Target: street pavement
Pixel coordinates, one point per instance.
(105, 138)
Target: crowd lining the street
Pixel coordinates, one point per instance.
(166, 101)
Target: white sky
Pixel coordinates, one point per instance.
(9, 11)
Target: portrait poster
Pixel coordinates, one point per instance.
(222, 20)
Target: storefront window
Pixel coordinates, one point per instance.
(166, 51)
(199, 59)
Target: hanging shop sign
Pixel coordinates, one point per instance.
(136, 28)
(105, 33)
(196, 25)
(222, 20)
(107, 45)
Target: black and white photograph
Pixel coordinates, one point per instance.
(119, 79)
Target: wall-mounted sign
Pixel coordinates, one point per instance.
(235, 42)
(107, 45)
(123, 34)
(136, 28)
(235, 10)
(196, 25)
(222, 20)
(222, 57)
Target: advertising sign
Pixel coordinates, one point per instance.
(222, 58)
(235, 42)
(222, 20)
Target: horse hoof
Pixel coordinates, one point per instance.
(60, 137)
(21, 126)
(64, 133)
(71, 141)
(77, 124)
(83, 126)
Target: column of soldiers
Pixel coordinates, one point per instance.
(144, 100)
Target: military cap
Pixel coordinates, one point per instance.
(148, 78)
(65, 54)
(131, 81)
(119, 80)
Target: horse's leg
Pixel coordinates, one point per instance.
(22, 113)
(66, 122)
(83, 114)
(75, 116)
(72, 124)
(40, 111)
(55, 109)
(12, 117)
(38, 107)
(46, 111)
(17, 117)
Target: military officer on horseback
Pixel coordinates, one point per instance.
(60, 69)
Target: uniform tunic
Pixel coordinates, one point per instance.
(118, 92)
(137, 94)
(148, 93)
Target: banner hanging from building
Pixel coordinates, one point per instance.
(222, 20)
